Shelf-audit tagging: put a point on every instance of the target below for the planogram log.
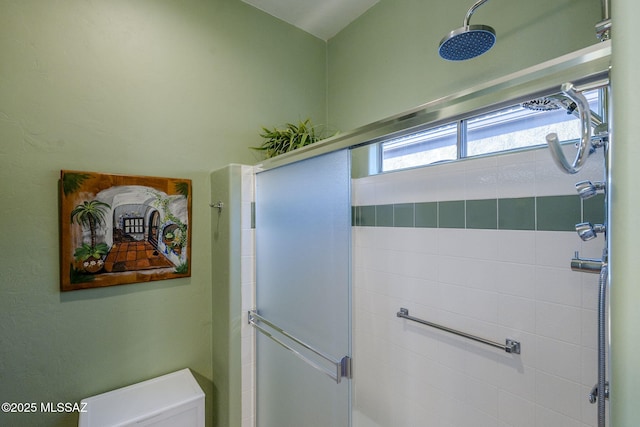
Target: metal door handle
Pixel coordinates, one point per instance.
(342, 367)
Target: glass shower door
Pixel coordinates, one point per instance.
(303, 297)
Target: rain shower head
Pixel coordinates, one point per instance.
(467, 41)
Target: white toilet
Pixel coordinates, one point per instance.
(172, 400)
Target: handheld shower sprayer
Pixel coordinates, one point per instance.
(585, 140)
(467, 41)
(574, 102)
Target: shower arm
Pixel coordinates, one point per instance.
(471, 11)
(585, 141)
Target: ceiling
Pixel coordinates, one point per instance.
(322, 18)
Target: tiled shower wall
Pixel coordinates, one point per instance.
(248, 282)
(482, 246)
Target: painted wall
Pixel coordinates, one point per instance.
(625, 250)
(387, 61)
(166, 88)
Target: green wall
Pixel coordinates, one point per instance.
(172, 88)
(387, 61)
(624, 232)
(181, 87)
(226, 256)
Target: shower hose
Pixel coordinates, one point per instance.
(602, 346)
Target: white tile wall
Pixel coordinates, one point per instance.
(521, 174)
(247, 279)
(494, 283)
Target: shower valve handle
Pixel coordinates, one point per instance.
(586, 265)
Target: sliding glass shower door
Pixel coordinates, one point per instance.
(303, 304)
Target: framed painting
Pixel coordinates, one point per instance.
(119, 229)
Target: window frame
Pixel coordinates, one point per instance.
(462, 132)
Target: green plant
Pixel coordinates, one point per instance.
(177, 236)
(91, 214)
(72, 181)
(182, 188)
(87, 251)
(293, 136)
(182, 268)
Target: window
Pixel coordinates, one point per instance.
(511, 128)
(133, 225)
(422, 148)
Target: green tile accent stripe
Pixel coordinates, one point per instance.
(558, 213)
(403, 215)
(593, 211)
(366, 216)
(451, 214)
(547, 213)
(426, 215)
(517, 213)
(384, 215)
(482, 214)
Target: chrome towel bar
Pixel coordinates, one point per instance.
(510, 346)
(342, 367)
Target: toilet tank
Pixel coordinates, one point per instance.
(172, 400)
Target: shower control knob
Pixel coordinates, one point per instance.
(588, 189)
(588, 231)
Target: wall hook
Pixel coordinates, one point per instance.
(219, 205)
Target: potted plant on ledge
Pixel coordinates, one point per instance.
(291, 137)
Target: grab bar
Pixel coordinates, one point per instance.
(510, 346)
(342, 366)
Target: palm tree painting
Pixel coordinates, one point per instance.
(91, 214)
(118, 229)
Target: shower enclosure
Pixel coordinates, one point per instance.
(361, 280)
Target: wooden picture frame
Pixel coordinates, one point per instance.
(120, 229)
